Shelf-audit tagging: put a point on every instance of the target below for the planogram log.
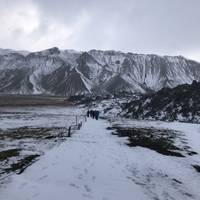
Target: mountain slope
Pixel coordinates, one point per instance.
(68, 72)
(179, 103)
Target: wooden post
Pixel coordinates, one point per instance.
(76, 120)
(69, 132)
(79, 125)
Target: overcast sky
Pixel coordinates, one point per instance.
(169, 27)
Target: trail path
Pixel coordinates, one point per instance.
(92, 164)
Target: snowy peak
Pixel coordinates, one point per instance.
(47, 52)
(69, 72)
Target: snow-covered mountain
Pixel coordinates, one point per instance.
(68, 72)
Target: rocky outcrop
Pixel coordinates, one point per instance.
(180, 103)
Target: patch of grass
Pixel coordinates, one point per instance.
(27, 139)
(29, 132)
(9, 153)
(159, 140)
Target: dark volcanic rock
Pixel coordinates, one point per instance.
(180, 103)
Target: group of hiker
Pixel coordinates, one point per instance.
(94, 114)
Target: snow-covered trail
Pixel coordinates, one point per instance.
(94, 164)
(90, 165)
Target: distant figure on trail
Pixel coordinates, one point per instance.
(92, 114)
(96, 114)
(88, 113)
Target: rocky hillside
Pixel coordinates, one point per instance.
(181, 103)
(67, 72)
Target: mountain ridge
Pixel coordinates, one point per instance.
(69, 72)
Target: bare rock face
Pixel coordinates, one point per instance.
(180, 103)
(68, 72)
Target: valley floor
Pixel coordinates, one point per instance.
(94, 164)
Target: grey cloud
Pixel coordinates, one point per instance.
(143, 26)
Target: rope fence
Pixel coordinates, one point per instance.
(78, 123)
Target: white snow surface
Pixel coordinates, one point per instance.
(94, 164)
(41, 116)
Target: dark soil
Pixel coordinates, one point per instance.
(32, 100)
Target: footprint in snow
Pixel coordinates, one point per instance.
(44, 168)
(74, 185)
(80, 176)
(88, 196)
(75, 168)
(23, 185)
(91, 164)
(43, 177)
(35, 195)
(86, 171)
(93, 178)
(87, 188)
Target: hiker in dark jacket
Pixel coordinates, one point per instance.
(96, 114)
(88, 113)
(92, 114)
